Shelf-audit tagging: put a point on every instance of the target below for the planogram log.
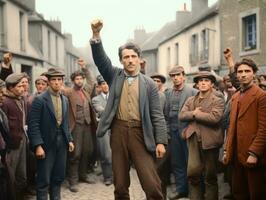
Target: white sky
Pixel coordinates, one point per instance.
(120, 18)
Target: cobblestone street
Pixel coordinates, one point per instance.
(99, 191)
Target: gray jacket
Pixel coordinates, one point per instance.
(153, 123)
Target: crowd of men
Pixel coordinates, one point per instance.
(180, 131)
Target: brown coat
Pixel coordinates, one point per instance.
(73, 100)
(15, 119)
(247, 130)
(206, 122)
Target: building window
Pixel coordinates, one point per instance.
(249, 35)
(22, 31)
(177, 54)
(194, 48)
(168, 57)
(2, 27)
(204, 54)
(49, 45)
(56, 50)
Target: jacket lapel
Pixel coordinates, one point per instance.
(142, 93)
(119, 83)
(247, 100)
(49, 103)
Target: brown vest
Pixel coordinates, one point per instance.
(129, 102)
(82, 110)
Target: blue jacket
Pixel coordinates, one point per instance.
(42, 122)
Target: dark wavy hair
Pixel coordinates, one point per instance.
(247, 61)
(77, 73)
(129, 45)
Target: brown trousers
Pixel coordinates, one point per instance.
(127, 144)
(249, 183)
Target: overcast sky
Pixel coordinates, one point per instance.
(120, 18)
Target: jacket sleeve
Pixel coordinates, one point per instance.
(258, 146)
(89, 86)
(5, 72)
(157, 118)
(97, 106)
(102, 61)
(34, 131)
(186, 114)
(68, 134)
(214, 116)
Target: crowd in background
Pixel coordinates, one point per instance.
(52, 132)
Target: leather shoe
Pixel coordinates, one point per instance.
(89, 180)
(108, 182)
(177, 195)
(73, 188)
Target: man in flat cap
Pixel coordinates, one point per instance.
(49, 136)
(14, 105)
(160, 80)
(204, 135)
(175, 99)
(82, 121)
(99, 103)
(133, 112)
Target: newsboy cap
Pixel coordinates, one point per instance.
(14, 78)
(176, 70)
(54, 71)
(159, 76)
(41, 78)
(100, 79)
(204, 74)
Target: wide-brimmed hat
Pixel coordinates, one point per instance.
(176, 70)
(204, 74)
(159, 76)
(55, 71)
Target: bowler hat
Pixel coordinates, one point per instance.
(159, 76)
(204, 74)
(55, 71)
(100, 79)
(176, 70)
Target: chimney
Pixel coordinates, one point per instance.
(198, 6)
(56, 24)
(182, 16)
(140, 35)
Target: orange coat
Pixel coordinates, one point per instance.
(247, 129)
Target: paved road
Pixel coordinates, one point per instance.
(99, 191)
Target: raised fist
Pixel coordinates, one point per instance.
(228, 53)
(7, 58)
(96, 26)
(81, 62)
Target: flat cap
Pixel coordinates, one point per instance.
(176, 70)
(204, 74)
(55, 71)
(100, 79)
(41, 78)
(159, 76)
(14, 78)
